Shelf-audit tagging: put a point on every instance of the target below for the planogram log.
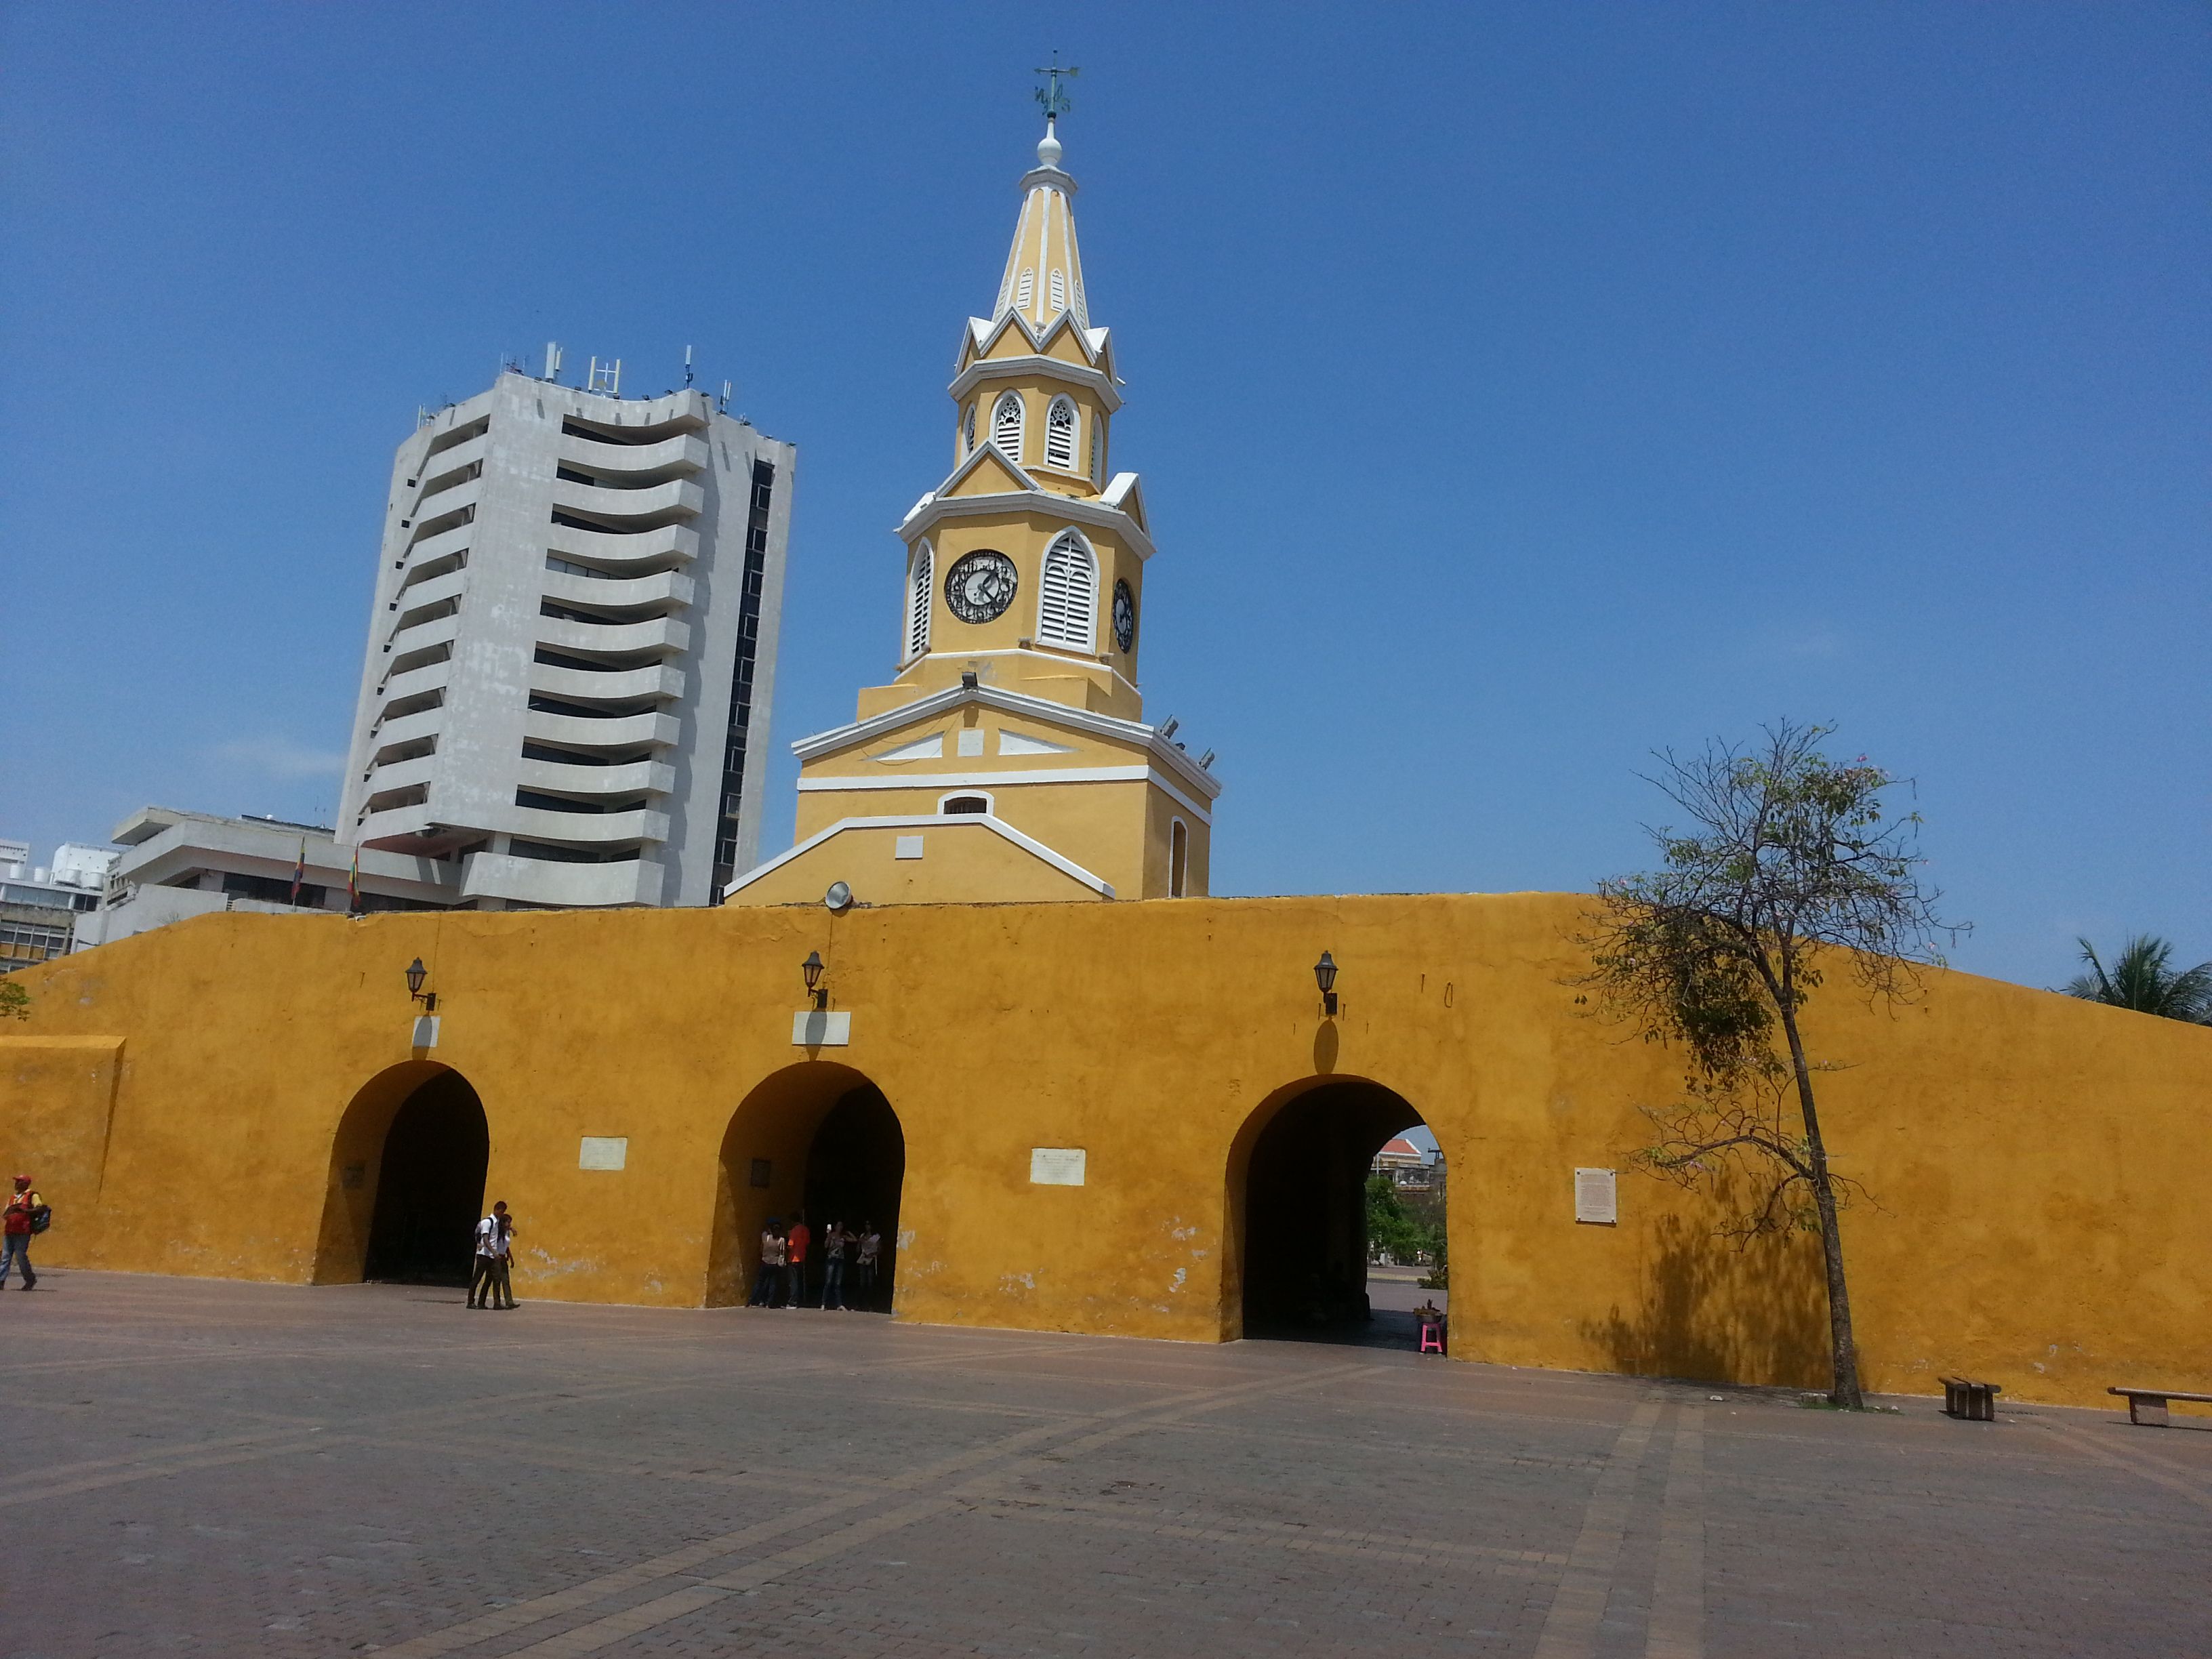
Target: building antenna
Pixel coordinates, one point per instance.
(723, 407)
(553, 361)
(687, 365)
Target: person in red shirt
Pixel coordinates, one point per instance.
(16, 1232)
(794, 1254)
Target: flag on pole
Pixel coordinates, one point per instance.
(353, 886)
(300, 870)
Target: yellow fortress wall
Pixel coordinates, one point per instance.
(197, 1100)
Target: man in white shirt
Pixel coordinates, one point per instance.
(493, 1251)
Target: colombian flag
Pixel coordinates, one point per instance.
(353, 886)
(299, 870)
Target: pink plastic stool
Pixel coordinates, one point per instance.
(1432, 1338)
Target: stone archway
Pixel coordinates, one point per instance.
(815, 1136)
(406, 1179)
(1296, 1197)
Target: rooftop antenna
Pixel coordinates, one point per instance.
(1054, 99)
(687, 365)
(606, 380)
(552, 361)
(723, 407)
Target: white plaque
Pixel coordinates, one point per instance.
(1056, 1166)
(426, 1030)
(1595, 1201)
(813, 1028)
(908, 847)
(971, 740)
(603, 1152)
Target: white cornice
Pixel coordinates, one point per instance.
(1135, 732)
(1002, 778)
(942, 821)
(1038, 366)
(1081, 509)
(1096, 344)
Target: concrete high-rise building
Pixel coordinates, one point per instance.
(572, 647)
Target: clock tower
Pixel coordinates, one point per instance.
(1007, 758)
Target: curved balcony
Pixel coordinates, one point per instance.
(434, 590)
(434, 676)
(453, 508)
(671, 543)
(620, 732)
(652, 506)
(619, 685)
(438, 470)
(409, 638)
(426, 548)
(400, 774)
(655, 633)
(544, 881)
(585, 829)
(409, 728)
(637, 465)
(670, 587)
(649, 777)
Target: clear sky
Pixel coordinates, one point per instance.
(1517, 389)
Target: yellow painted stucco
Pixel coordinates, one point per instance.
(190, 1098)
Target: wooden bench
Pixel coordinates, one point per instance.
(1975, 1402)
(2149, 1404)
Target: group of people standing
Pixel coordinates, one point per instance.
(490, 1284)
(785, 1247)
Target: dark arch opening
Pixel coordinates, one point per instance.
(1306, 1254)
(430, 1186)
(820, 1139)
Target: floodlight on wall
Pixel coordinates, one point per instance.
(811, 967)
(417, 973)
(839, 898)
(1325, 977)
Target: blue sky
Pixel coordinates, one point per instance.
(1517, 389)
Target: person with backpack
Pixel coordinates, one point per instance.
(27, 1214)
(480, 1279)
(501, 1291)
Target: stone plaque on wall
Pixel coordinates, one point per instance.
(1596, 1200)
(1056, 1166)
(603, 1152)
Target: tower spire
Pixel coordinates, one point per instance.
(1044, 270)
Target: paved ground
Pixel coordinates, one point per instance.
(197, 1467)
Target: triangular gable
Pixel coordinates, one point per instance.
(1127, 493)
(1032, 344)
(987, 472)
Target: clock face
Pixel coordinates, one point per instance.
(980, 586)
(1125, 616)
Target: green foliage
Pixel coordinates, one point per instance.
(1401, 1232)
(14, 1000)
(2145, 980)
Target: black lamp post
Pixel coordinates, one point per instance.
(812, 969)
(1325, 976)
(417, 973)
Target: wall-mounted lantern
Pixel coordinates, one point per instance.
(417, 973)
(1325, 976)
(812, 969)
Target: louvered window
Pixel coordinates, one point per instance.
(1069, 599)
(1026, 290)
(1007, 426)
(917, 617)
(1059, 292)
(970, 432)
(1059, 434)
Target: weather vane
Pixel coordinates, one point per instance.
(1055, 100)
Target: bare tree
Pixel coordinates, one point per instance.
(1789, 871)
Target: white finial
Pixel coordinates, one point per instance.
(1048, 146)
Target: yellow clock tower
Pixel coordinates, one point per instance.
(1008, 757)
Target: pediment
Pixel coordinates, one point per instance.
(987, 472)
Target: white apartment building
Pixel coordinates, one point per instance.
(572, 648)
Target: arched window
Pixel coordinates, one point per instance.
(1006, 427)
(963, 804)
(1178, 858)
(1059, 434)
(1067, 603)
(1058, 291)
(918, 591)
(1026, 290)
(1097, 451)
(968, 445)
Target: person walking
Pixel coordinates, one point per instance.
(771, 1265)
(486, 1252)
(503, 1260)
(795, 1241)
(871, 1252)
(834, 1242)
(16, 1226)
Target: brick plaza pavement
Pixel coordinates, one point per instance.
(202, 1468)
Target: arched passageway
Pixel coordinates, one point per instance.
(818, 1139)
(1300, 1203)
(407, 1180)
